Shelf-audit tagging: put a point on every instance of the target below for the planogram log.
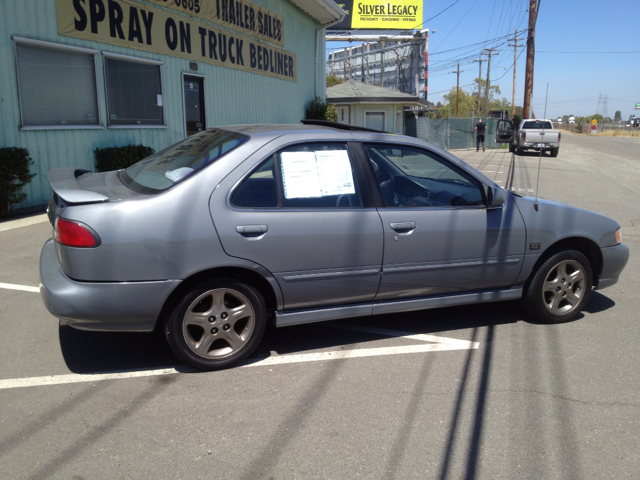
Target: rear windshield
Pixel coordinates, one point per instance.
(171, 165)
(537, 124)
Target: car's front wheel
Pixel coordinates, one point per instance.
(216, 324)
(560, 288)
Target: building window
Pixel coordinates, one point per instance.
(134, 91)
(56, 85)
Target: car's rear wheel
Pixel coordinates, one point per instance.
(512, 148)
(216, 324)
(560, 288)
(519, 150)
(554, 152)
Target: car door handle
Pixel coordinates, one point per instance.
(251, 229)
(403, 226)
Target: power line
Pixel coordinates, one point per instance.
(456, 26)
(551, 51)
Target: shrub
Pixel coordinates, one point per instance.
(319, 110)
(117, 158)
(14, 175)
(331, 114)
(316, 109)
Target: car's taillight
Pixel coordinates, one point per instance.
(523, 136)
(619, 235)
(559, 135)
(74, 234)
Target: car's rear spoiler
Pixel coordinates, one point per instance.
(64, 182)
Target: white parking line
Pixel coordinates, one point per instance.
(436, 344)
(24, 288)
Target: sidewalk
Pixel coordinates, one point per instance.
(12, 223)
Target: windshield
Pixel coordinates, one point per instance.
(176, 162)
(537, 125)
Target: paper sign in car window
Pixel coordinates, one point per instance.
(335, 173)
(300, 175)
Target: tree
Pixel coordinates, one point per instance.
(334, 80)
(618, 116)
(466, 104)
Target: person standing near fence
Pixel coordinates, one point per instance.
(480, 129)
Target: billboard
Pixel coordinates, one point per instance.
(380, 15)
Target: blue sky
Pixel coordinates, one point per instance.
(576, 80)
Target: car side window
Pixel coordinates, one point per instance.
(310, 175)
(259, 189)
(412, 177)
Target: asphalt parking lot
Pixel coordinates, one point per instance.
(468, 392)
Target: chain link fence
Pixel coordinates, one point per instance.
(450, 133)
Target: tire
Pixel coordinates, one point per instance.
(512, 148)
(560, 288)
(216, 324)
(519, 150)
(554, 152)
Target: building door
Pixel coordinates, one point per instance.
(193, 88)
(343, 115)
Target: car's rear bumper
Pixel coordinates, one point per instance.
(108, 306)
(614, 260)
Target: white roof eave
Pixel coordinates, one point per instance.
(325, 12)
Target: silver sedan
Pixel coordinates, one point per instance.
(213, 237)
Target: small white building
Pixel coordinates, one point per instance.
(369, 106)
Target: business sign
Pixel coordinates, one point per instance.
(380, 15)
(239, 15)
(132, 24)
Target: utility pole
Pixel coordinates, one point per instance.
(489, 53)
(531, 53)
(515, 58)
(479, 78)
(458, 71)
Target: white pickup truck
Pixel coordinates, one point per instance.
(531, 134)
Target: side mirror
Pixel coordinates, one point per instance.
(495, 197)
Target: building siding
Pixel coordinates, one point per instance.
(231, 96)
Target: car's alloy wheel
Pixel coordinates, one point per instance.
(560, 288)
(217, 324)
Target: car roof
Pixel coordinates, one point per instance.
(272, 128)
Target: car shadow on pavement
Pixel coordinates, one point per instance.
(93, 352)
(96, 352)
